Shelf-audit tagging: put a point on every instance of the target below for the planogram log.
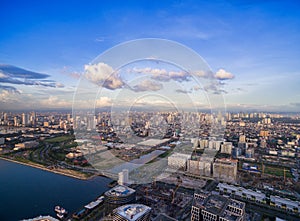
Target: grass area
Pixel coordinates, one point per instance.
(70, 145)
(270, 169)
(165, 154)
(60, 139)
(278, 171)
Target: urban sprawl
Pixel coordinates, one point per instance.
(166, 165)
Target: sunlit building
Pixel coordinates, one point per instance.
(225, 170)
(118, 196)
(132, 212)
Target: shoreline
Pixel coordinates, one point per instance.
(41, 167)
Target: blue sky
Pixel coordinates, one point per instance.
(256, 41)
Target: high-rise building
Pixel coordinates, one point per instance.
(178, 160)
(91, 122)
(264, 133)
(132, 212)
(242, 139)
(25, 119)
(225, 170)
(201, 166)
(209, 207)
(226, 147)
(123, 177)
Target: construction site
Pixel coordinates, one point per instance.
(174, 200)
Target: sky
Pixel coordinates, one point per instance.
(47, 47)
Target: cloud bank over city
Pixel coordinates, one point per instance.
(252, 50)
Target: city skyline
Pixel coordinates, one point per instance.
(251, 48)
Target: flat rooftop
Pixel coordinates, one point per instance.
(120, 190)
(41, 218)
(215, 203)
(132, 211)
(236, 204)
(230, 216)
(153, 142)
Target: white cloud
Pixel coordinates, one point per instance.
(221, 74)
(2, 75)
(59, 85)
(162, 74)
(54, 101)
(203, 74)
(103, 102)
(103, 75)
(147, 85)
(4, 96)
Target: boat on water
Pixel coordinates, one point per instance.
(60, 215)
(60, 212)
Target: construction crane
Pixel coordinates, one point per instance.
(284, 174)
(179, 182)
(262, 168)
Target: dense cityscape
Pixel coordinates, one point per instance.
(250, 174)
(174, 110)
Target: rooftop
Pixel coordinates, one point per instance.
(120, 190)
(41, 218)
(237, 204)
(153, 142)
(215, 203)
(132, 211)
(230, 216)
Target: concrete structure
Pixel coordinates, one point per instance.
(242, 192)
(27, 144)
(203, 144)
(118, 196)
(216, 145)
(123, 177)
(132, 212)
(264, 133)
(41, 218)
(288, 153)
(225, 170)
(242, 138)
(249, 153)
(284, 203)
(154, 142)
(178, 160)
(201, 166)
(226, 147)
(208, 207)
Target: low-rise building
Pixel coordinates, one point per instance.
(284, 203)
(242, 192)
(25, 145)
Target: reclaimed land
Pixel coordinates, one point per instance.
(65, 172)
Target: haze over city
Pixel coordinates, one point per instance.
(251, 47)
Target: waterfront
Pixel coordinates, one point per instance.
(27, 192)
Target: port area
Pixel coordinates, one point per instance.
(163, 198)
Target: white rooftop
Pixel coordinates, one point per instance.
(41, 218)
(120, 190)
(132, 211)
(153, 142)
